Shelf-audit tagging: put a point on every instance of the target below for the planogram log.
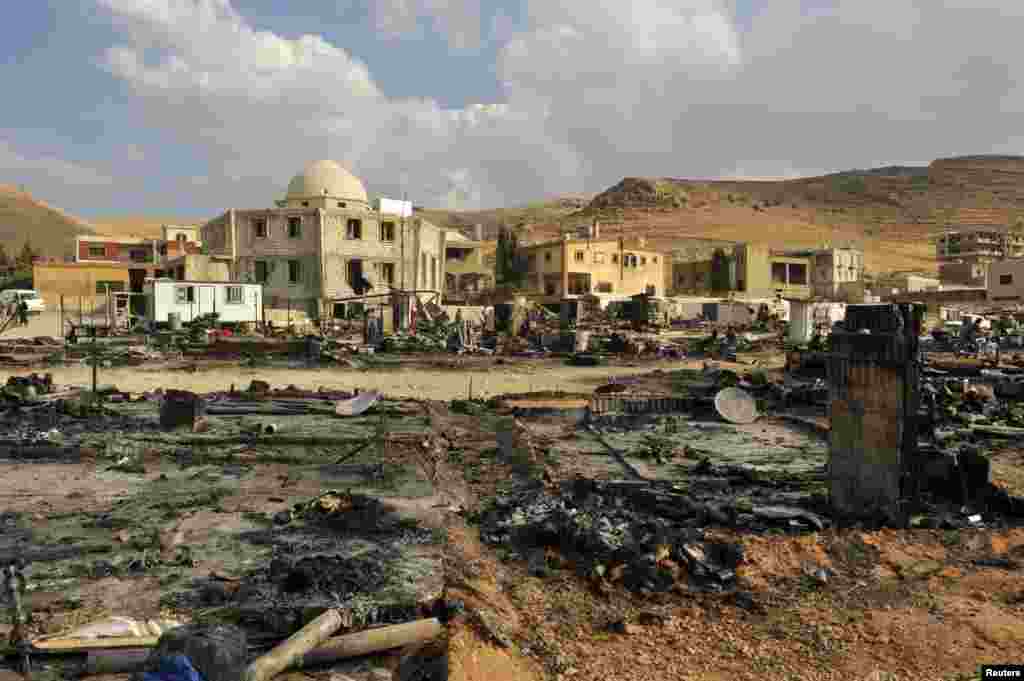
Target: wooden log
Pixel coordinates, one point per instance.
(69, 645)
(284, 655)
(371, 641)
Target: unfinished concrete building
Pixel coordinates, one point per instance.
(467, 271)
(325, 243)
(973, 239)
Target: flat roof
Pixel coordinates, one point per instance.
(151, 280)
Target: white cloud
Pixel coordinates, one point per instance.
(594, 90)
(45, 174)
(458, 20)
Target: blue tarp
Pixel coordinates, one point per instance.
(175, 668)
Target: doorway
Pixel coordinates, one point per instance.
(136, 280)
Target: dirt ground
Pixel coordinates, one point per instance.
(493, 378)
(896, 606)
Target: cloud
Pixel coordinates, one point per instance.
(47, 175)
(458, 20)
(593, 90)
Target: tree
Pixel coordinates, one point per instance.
(720, 266)
(509, 262)
(27, 255)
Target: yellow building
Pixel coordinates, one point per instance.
(87, 282)
(575, 266)
(762, 272)
(466, 270)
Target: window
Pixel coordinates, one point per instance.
(549, 288)
(798, 274)
(163, 249)
(341, 204)
(139, 255)
(262, 272)
(387, 272)
(259, 228)
(423, 270)
(294, 228)
(598, 258)
(184, 295)
(1005, 279)
(115, 286)
(294, 271)
(233, 295)
(655, 260)
(180, 273)
(355, 229)
(354, 273)
(615, 258)
(180, 237)
(547, 257)
(97, 251)
(643, 259)
(387, 231)
(305, 204)
(579, 256)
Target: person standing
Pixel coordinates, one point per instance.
(23, 313)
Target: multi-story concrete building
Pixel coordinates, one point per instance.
(762, 272)
(325, 242)
(837, 273)
(466, 269)
(574, 266)
(971, 241)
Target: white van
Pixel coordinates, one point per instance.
(32, 299)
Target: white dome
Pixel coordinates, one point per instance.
(326, 178)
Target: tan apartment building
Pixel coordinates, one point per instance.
(323, 241)
(972, 240)
(573, 266)
(466, 268)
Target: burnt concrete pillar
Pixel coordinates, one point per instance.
(874, 383)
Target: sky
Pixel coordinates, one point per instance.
(186, 108)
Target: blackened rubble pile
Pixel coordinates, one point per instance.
(650, 538)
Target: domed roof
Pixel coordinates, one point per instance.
(326, 178)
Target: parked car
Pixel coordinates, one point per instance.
(32, 299)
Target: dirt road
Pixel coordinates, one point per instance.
(416, 383)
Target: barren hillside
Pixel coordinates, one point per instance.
(891, 212)
(23, 217)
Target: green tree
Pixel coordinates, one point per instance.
(27, 255)
(509, 265)
(720, 266)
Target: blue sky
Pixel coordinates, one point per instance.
(188, 107)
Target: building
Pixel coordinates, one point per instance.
(837, 273)
(574, 266)
(324, 243)
(118, 264)
(467, 271)
(904, 282)
(971, 241)
(760, 271)
(1006, 281)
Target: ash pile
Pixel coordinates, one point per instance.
(648, 536)
(340, 550)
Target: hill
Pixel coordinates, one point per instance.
(893, 212)
(51, 230)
